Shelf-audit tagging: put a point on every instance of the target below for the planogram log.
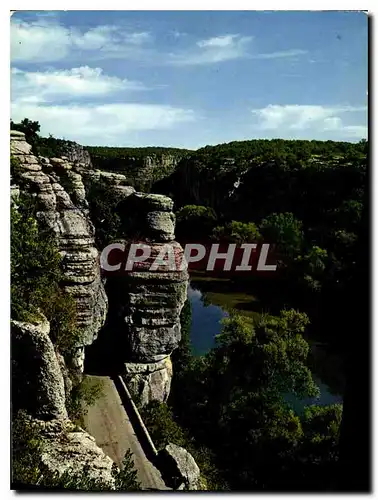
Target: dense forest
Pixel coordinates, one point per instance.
(118, 153)
(310, 199)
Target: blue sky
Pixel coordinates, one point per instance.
(188, 79)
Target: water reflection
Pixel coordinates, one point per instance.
(206, 324)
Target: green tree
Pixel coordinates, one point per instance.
(195, 221)
(313, 266)
(233, 399)
(237, 232)
(284, 230)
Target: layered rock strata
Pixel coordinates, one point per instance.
(149, 302)
(63, 210)
(39, 390)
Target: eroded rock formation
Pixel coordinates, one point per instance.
(38, 384)
(147, 303)
(63, 210)
(39, 390)
(139, 171)
(182, 472)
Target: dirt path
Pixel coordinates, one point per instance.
(108, 422)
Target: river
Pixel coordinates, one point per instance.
(207, 313)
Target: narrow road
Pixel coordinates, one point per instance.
(108, 422)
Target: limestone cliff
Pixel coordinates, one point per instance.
(146, 304)
(38, 389)
(73, 229)
(140, 171)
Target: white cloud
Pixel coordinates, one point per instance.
(93, 39)
(219, 41)
(71, 83)
(309, 117)
(45, 41)
(226, 48)
(213, 50)
(358, 131)
(103, 124)
(38, 42)
(280, 54)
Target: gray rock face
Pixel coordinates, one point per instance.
(180, 468)
(148, 302)
(69, 449)
(150, 381)
(153, 202)
(37, 378)
(137, 170)
(161, 226)
(75, 153)
(63, 210)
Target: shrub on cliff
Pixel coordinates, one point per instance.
(103, 203)
(36, 276)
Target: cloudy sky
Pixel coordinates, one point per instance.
(188, 79)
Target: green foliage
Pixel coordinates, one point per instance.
(322, 423)
(82, 395)
(15, 171)
(26, 451)
(36, 275)
(126, 478)
(28, 127)
(195, 221)
(160, 422)
(141, 166)
(103, 206)
(158, 419)
(130, 152)
(285, 231)
(313, 266)
(41, 146)
(237, 232)
(232, 399)
(181, 357)
(323, 184)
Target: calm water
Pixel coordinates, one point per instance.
(206, 324)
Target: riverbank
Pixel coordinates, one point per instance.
(210, 306)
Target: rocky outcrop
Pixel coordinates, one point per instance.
(38, 384)
(179, 468)
(149, 381)
(61, 205)
(139, 171)
(149, 303)
(69, 450)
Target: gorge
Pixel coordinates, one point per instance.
(138, 325)
(141, 313)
